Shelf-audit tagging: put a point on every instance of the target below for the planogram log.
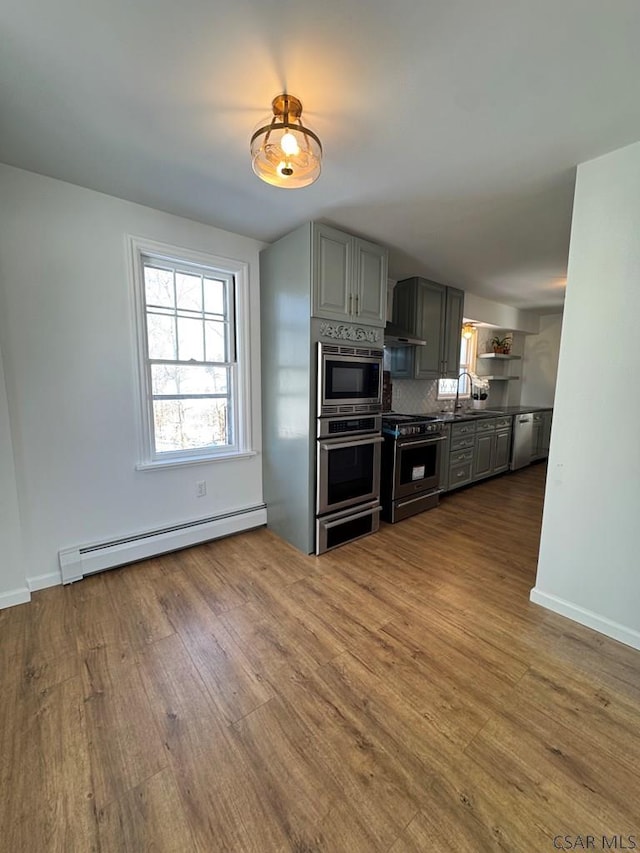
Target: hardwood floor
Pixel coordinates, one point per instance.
(398, 694)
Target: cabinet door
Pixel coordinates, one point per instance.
(536, 439)
(451, 333)
(332, 274)
(370, 292)
(460, 475)
(502, 451)
(444, 459)
(483, 455)
(431, 303)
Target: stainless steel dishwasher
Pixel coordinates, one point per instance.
(522, 438)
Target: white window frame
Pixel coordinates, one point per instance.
(139, 248)
(467, 363)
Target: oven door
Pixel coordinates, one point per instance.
(416, 465)
(348, 472)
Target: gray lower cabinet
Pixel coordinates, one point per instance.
(503, 451)
(483, 455)
(461, 452)
(478, 449)
(432, 312)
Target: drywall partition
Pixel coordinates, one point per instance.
(540, 362)
(589, 567)
(13, 586)
(67, 334)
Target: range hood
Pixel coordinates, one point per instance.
(395, 336)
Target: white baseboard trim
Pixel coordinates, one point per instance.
(83, 560)
(44, 581)
(14, 596)
(628, 636)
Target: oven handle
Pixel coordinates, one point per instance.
(400, 504)
(407, 442)
(344, 445)
(338, 521)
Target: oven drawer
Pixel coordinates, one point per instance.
(347, 526)
(412, 506)
(461, 443)
(459, 475)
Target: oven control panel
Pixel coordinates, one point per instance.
(344, 426)
(417, 429)
(406, 427)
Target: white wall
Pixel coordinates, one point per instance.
(499, 315)
(540, 364)
(589, 564)
(66, 329)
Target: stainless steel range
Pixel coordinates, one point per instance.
(410, 464)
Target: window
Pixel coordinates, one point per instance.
(190, 346)
(447, 387)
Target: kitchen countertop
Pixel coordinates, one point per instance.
(494, 412)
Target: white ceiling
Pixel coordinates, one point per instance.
(451, 128)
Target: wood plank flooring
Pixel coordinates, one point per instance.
(399, 694)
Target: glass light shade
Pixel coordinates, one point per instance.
(285, 152)
(468, 330)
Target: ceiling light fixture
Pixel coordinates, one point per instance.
(285, 152)
(468, 330)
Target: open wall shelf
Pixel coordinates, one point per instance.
(499, 356)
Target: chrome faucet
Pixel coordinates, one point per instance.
(458, 404)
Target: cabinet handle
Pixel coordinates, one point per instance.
(351, 303)
(357, 303)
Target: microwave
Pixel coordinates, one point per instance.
(349, 379)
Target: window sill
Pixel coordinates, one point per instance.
(159, 464)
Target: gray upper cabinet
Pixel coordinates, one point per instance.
(349, 277)
(452, 332)
(433, 312)
(371, 282)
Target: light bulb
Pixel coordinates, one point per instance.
(289, 144)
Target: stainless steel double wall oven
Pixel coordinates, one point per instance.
(348, 444)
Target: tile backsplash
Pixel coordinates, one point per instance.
(415, 396)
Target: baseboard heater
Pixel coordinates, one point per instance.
(83, 560)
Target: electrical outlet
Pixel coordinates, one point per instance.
(201, 488)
